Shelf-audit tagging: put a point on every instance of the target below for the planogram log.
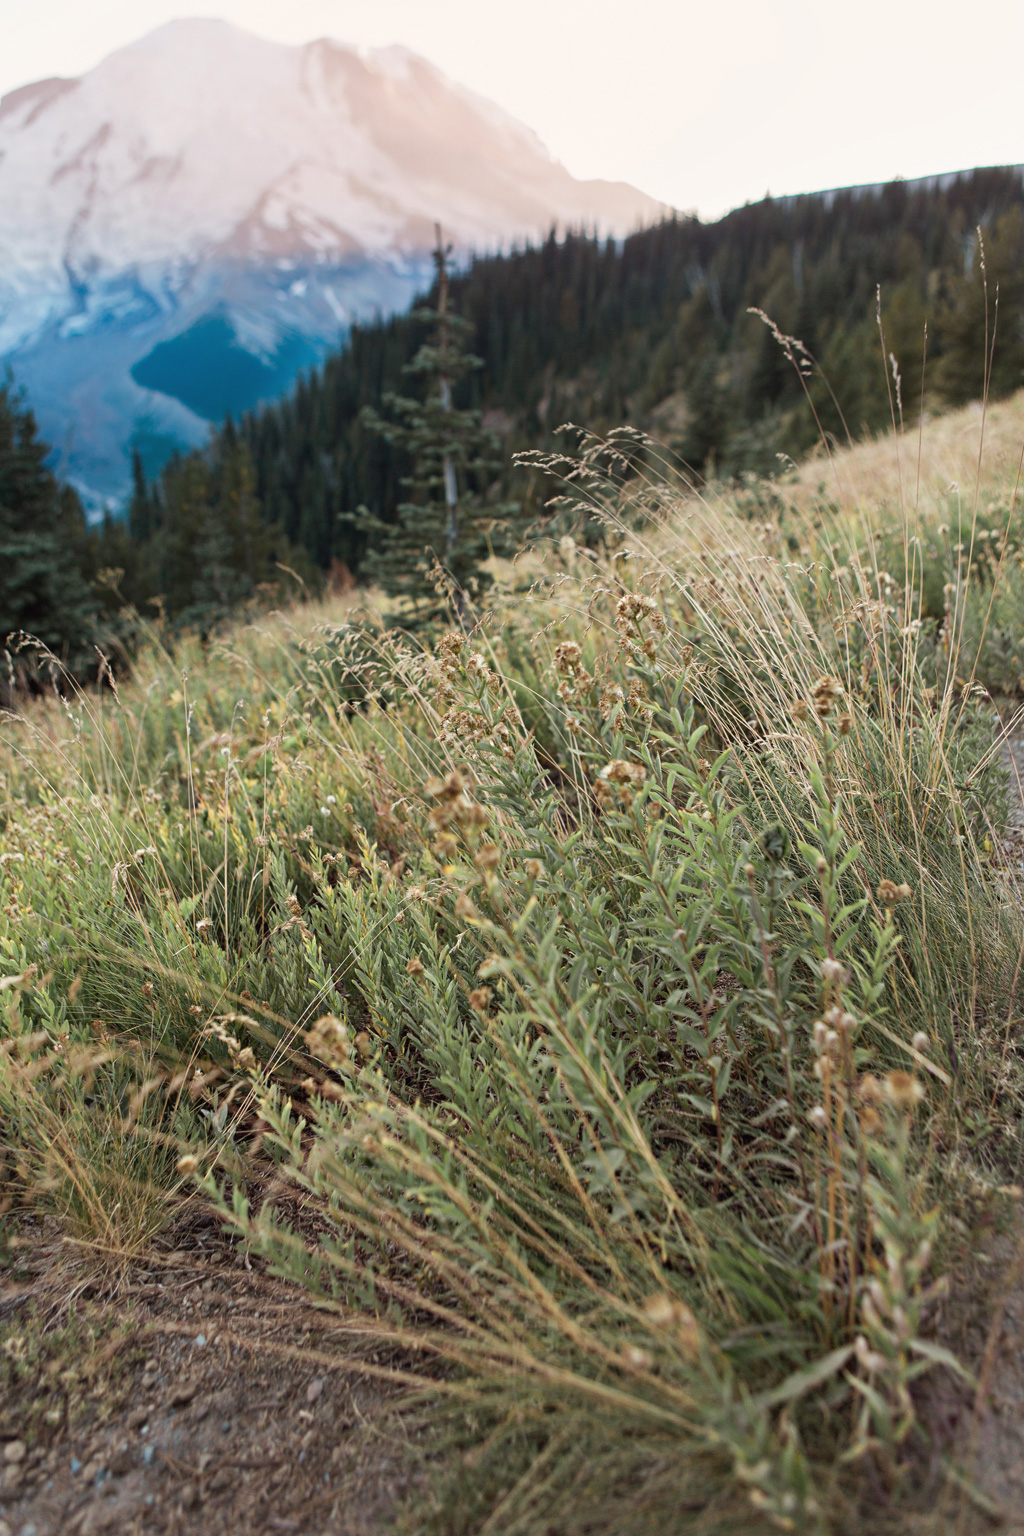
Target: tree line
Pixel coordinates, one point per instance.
(655, 331)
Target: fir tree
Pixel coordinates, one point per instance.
(44, 539)
(432, 557)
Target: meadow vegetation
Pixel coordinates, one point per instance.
(627, 981)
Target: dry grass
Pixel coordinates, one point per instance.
(578, 1058)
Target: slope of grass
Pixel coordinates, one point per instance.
(629, 985)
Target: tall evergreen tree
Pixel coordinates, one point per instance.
(432, 556)
(43, 537)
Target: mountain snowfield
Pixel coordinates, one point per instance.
(192, 222)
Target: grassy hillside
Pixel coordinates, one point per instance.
(614, 1008)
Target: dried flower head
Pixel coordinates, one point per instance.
(633, 1359)
(480, 999)
(668, 1313)
(834, 971)
(799, 710)
(817, 1117)
(534, 869)
(921, 1041)
(449, 649)
(188, 1164)
(604, 794)
(890, 893)
(870, 1089)
(488, 856)
(903, 1089)
(568, 657)
(414, 966)
(464, 908)
(612, 699)
(844, 724)
(618, 771)
(448, 788)
(827, 687)
(327, 1040)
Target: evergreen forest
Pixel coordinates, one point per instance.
(917, 286)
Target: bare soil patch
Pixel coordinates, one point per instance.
(190, 1393)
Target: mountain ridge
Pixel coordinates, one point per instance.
(290, 190)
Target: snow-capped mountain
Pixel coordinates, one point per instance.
(190, 223)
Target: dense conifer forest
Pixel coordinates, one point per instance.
(897, 285)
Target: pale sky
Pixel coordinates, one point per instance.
(704, 103)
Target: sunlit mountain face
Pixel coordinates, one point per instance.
(200, 217)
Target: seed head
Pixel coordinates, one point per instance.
(618, 771)
(448, 788)
(414, 966)
(903, 1089)
(568, 656)
(798, 709)
(612, 699)
(890, 893)
(633, 1359)
(327, 1039)
(662, 1311)
(465, 909)
(870, 1120)
(480, 999)
(827, 687)
(188, 1163)
(870, 1089)
(834, 971)
(534, 869)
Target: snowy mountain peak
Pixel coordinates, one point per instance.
(205, 174)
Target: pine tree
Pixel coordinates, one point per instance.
(143, 509)
(432, 557)
(43, 536)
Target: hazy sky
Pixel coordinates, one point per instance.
(705, 103)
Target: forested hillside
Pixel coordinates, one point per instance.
(655, 331)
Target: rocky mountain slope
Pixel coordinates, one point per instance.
(200, 216)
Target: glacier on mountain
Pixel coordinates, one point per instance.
(204, 214)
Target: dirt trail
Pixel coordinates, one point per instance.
(213, 1400)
